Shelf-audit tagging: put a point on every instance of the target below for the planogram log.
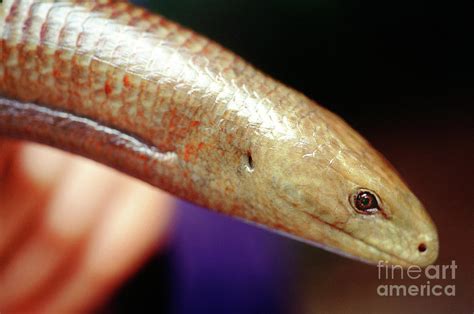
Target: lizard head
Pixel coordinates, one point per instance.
(332, 189)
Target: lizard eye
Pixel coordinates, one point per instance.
(365, 202)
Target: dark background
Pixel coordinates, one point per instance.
(401, 73)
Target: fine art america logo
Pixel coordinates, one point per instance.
(436, 280)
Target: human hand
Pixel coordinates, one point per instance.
(71, 231)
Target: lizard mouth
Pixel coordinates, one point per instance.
(383, 254)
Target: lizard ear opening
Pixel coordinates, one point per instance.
(247, 162)
(250, 164)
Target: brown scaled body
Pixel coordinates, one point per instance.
(132, 90)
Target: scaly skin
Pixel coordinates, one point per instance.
(114, 83)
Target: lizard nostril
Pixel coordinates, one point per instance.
(422, 247)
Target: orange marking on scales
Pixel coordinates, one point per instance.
(173, 119)
(188, 152)
(191, 151)
(107, 88)
(126, 81)
(194, 123)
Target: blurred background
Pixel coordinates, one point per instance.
(399, 72)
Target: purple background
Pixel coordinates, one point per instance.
(237, 266)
